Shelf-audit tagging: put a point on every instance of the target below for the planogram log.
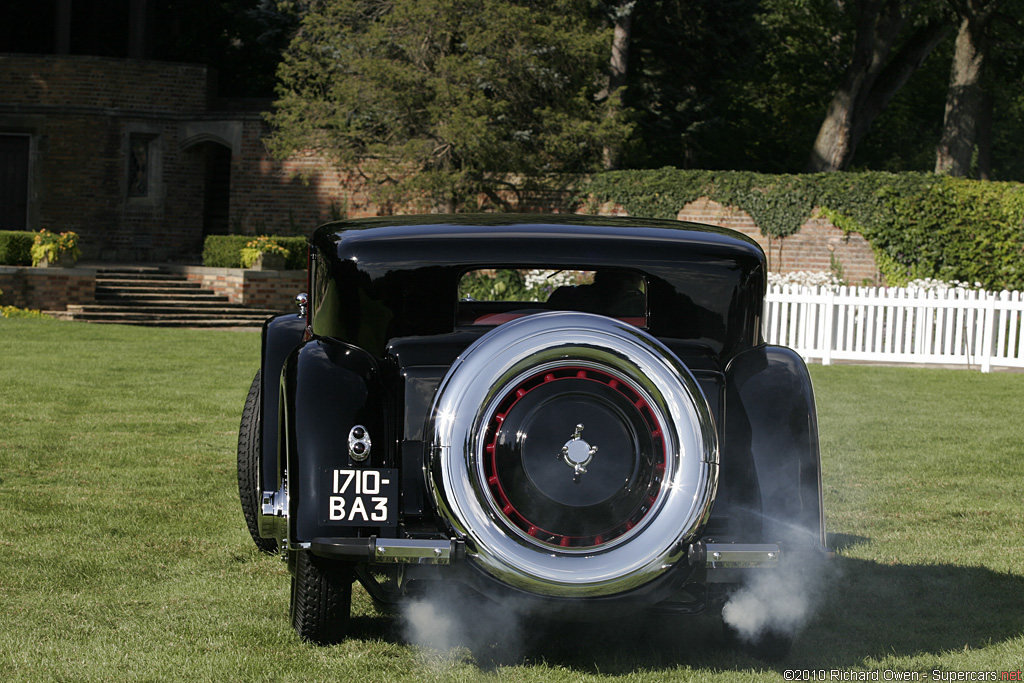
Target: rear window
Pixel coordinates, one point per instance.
(517, 284)
(616, 293)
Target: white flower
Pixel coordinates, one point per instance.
(805, 278)
(828, 281)
(930, 284)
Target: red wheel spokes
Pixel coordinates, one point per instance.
(520, 391)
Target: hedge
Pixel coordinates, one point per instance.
(225, 251)
(16, 248)
(918, 224)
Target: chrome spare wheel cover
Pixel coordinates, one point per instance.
(574, 453)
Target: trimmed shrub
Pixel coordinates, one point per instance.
(15, 248)
(949, 229)
(225, 251)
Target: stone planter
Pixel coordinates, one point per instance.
(267, 261)
(63, 260)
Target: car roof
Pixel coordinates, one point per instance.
(387, 277)
(527, 239)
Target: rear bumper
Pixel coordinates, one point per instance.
(389, 550)
(709, 555)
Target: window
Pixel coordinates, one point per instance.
(613, 292)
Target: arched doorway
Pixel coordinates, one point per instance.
(216, 188)
(14, 178)
(214, 145)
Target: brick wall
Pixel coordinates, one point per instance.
(85, 189)
(271, 289)
(293, 196)
(81, 113)
(47, 289)
(818, 246)
(289, 197)
(52, 289)
(82, 81)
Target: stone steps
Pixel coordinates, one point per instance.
(149, 297)
(143, 296)
(112, 284)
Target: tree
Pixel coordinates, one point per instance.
(448, 100)
(241, 39)
(892, 38)
(618, 69)
(1005, 90)
(966, 103)
(690, 63)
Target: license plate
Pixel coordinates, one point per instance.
(360, 497)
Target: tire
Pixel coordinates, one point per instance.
(321, 598)
(574, 453)
(249, 453)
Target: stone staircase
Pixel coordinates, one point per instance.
(148, 296)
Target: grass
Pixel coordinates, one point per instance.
(123, 555)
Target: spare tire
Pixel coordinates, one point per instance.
(574, 453)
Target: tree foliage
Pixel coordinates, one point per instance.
(891, 39)
(450, 100)
(467, 103)
(691, 80)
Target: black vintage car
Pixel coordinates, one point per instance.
(577, 413)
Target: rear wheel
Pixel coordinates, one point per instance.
(321, 598)
(249, 453)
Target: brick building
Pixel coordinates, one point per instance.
(143, 161)
(144, 158)
(141, 157)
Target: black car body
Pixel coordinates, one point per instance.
(588, 454)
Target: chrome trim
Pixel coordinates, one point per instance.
(359, 443)
(273, 519)
(577, 453)
(302, 301)
(468, 396)
(734, 555)
(413, 551)
(388, 550)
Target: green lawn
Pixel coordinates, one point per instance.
(123, 554)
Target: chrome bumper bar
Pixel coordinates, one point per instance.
(389, 550)
(733, 555)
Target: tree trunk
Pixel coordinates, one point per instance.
(965, 98)
(874, 76)
(618, 69)
(895, 75)
(985, 139)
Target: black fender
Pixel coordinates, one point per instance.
(772, 426)
(327, 388)
(281, 335)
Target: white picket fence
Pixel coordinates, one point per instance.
(955, 327)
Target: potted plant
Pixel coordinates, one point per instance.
(263, 253)
(52, 249)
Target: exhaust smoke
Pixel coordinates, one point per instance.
(449, 619)
(770, 603)
(777, 603)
